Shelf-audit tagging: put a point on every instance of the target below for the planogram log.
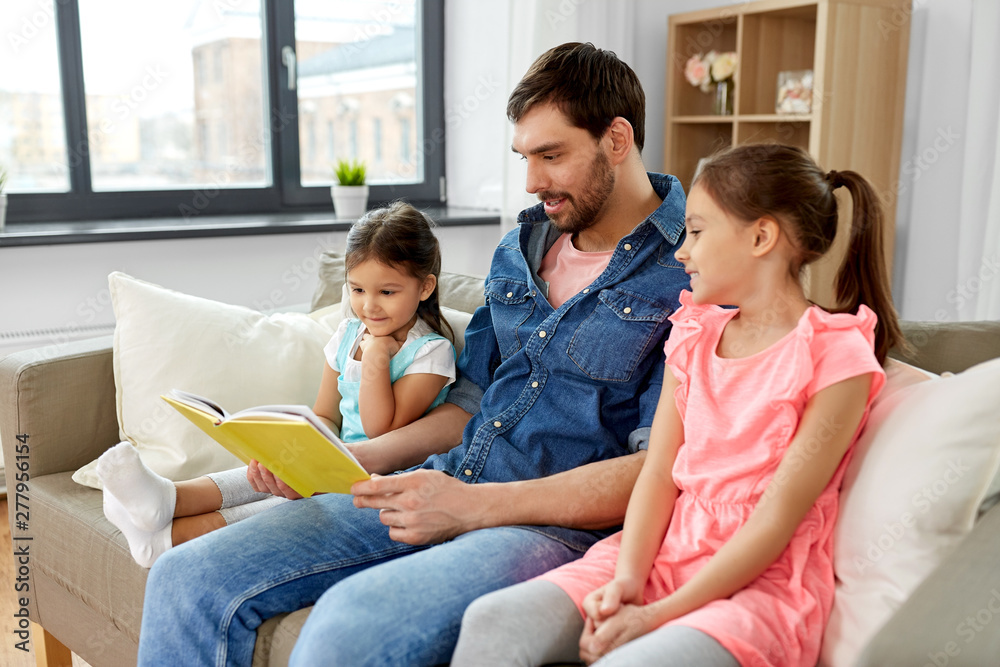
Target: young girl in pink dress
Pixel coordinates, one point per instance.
(725, 557)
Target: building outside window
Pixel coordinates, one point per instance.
(201, 103)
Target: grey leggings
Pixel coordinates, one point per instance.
(535, 622)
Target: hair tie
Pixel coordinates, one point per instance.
(834, 179)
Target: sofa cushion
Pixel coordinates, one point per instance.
(234, 355)
(920, 473)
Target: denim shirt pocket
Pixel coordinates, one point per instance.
(611, 342)
(510, 307)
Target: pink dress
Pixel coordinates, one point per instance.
(739, 418)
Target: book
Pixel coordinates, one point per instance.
(289, 440)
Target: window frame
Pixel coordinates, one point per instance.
(285, 194)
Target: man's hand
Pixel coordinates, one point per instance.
(420, 507)
(263, 481)
(628, 623)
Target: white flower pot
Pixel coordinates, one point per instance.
(3, 212)
(349, 201)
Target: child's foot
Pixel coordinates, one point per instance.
(147, 498)
(145, 546)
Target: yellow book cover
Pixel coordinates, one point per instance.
(289, 440)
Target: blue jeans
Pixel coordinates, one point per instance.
(378, 602)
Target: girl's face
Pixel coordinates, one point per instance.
(385, 298)
(716, 251)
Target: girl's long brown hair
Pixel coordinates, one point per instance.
(399, 235)
(755, 180)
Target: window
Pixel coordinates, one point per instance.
(116, 109)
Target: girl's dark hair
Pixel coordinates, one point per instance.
(400, 236)
(591, 86)
(755, 180)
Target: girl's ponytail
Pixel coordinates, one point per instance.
(863, 277)
(429, 311)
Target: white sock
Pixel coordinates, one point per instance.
(145, 546)
(147, 498)
(247, 510)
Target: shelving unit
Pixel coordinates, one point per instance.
(857, 50)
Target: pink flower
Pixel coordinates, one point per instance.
(696, 71)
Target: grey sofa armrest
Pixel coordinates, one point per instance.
(61, 398)
(951, 617)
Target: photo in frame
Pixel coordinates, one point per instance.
(794, 92)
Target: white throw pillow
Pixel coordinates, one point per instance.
(922, 467)
(234, 355)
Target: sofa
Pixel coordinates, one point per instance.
(59, 410)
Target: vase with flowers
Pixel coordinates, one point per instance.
(713, 73)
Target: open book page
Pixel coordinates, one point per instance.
(199, 403)
(289, 440)
(293, 412)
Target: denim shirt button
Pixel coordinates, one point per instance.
(534, 385)
(497, 424)
(468, 473)
(541, 334)
(586, 290)
(627, 310)
(628, 246)
(510, 294)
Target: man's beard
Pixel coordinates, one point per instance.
(584, 211)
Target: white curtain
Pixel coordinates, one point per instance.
(977, 294)
(535, 27)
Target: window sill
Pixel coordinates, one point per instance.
(52, 233)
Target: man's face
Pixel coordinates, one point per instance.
(567, 168)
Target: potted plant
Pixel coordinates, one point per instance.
(3, 199)
(350, 192)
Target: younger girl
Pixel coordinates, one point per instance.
(385, 367)
(725, 557)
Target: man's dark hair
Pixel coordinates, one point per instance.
(590, 85)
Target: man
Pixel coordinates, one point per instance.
(559, 380)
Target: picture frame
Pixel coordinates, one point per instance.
(794, 94)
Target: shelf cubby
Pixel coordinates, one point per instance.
(857, 51)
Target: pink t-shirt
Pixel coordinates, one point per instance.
(740, 416)
(568, 270)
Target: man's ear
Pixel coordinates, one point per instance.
(621, 138)
(765, 233)
(430, 282)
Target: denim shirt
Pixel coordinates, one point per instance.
(553, 389)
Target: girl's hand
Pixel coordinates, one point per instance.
(629, 622)
(263, 481)
(385, 344)
(609, 598)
